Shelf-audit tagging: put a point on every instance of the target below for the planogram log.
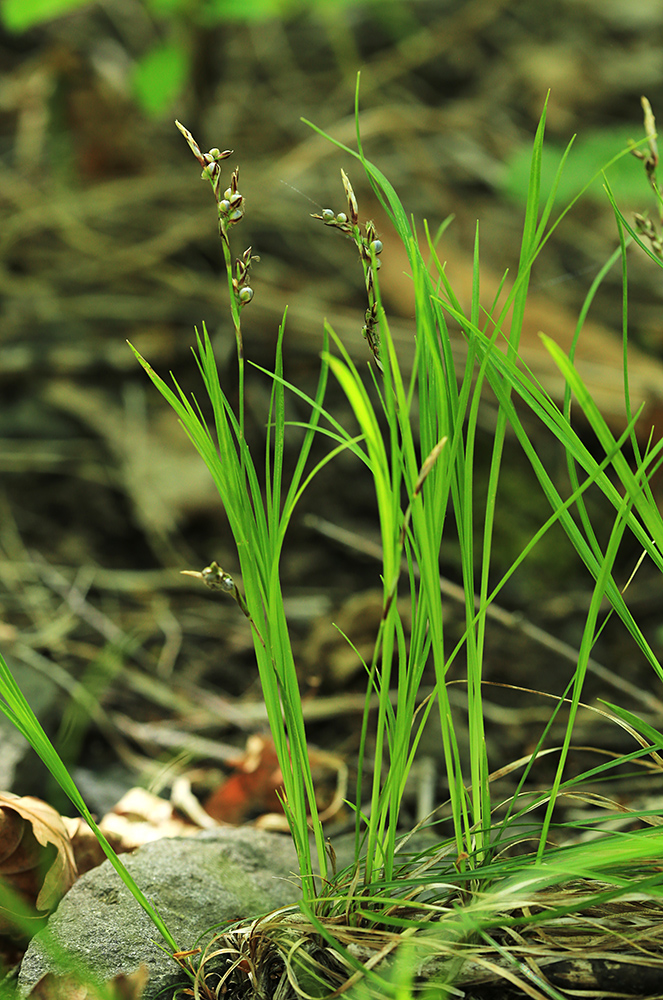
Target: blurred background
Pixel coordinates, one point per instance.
(107, 235)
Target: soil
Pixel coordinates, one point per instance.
(106, 235)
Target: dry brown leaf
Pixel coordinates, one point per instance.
(88, 852)
(253, 786)
(52, 987)
(141, 817)
(36, 857)
(253, 790)
(138, 818)
(121, 987)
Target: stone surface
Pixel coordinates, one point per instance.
(195, 883)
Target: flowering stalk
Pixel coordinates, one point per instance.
(643, 224)
(258, 515)
(369, 247)
(230, 209)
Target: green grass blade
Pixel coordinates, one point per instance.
(14, 705)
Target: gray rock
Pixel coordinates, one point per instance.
(195, 883)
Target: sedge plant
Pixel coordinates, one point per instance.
(418, 442)
(426, 454)
(416, 435)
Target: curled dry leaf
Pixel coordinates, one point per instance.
(36, 858)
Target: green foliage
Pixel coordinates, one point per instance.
(237, 10)
(254, 10)
(168, 8)
(592, 154)
(20, 15)
(15, 707)
(162, 72)
(159, 78)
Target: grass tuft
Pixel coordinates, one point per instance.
(469, 903)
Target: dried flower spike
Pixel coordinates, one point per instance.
(210, 161)
(230, 210)
(644, 225)
(369, 247)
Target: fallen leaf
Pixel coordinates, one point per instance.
(88, 852)
(121, 987)
(252, 788)
(52, 987)
(141, 817)
(252, 791)
(138, 818)
(36, 857)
